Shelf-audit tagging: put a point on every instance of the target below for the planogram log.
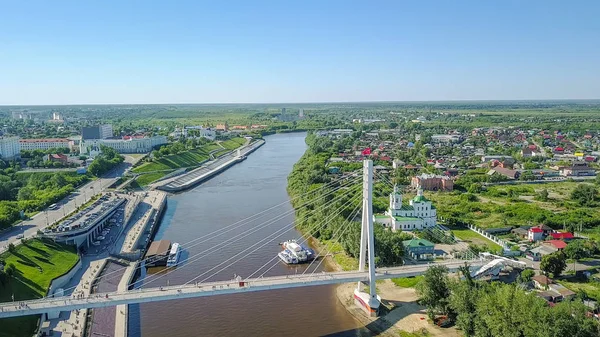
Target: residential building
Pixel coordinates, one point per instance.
(430, 182)
(195, 132)
(45, 144)
(221, 127)
(538, 252)
(508, 159)
(565, 236)
(558, 244)
(446, 139)
(541, 281)
(577, 170)
(535, 234)
(510, 174)
(57, 157)
(10, 148)
(526, 152)
(131, 145)
(419, 214)
(419, 249)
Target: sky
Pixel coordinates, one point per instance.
(120, 52)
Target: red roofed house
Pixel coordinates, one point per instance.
(558, 150)
(366, 151)
(57, 157)
(558, 244)
(535, 234)
(562, 236)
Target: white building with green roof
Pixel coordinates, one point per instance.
(417, 215)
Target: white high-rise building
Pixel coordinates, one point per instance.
(417, 215)
(9, 148)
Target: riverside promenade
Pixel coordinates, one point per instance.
(209, 169)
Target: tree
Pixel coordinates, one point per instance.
(463, 301)
(554, 264)
(576, 250)
(11, 247)
(584, 194)
(526, 276)
(434, 291)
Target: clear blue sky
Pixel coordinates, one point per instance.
(70, 52)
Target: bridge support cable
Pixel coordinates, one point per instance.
(267, 241)
(343, 182)
(301, 239)
(217, 247)
(344, 227)
(308, 235)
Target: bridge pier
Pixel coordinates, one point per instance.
(369, 302)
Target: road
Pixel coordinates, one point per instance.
(83, 194)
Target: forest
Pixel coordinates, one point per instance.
(32, 192)
(309, 187)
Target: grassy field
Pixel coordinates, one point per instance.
(592, 289)
(37, 264)
(175, 161)
(407, 282)
(148, 178)
(470, 236)
(233, 143)
(188, 158)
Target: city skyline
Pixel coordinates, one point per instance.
(233, 53)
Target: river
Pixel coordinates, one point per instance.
(256, 184)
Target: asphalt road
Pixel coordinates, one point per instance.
(30, 227)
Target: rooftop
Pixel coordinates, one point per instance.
(417, 243)
(160, 247)
(44, 140)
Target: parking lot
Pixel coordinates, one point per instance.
(109, 234)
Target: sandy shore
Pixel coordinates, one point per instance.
(403, 311)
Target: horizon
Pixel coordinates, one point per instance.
(559, 100)
(116, 53)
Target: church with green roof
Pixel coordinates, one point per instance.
(417, 215)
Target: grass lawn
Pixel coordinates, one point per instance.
(148, 178)
(473, 237)
(220, 153)
(592, 289)
(175, 161)
(233, 143)
(37, 263)
(339, 256)
(407, 282)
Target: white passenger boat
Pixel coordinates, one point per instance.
(294, 253)
(174, 255)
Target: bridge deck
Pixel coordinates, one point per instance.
(67, 303)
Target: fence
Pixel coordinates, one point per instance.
(490, 237)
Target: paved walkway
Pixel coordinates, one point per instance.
(147, 208)
(216, 288)
(75, 323)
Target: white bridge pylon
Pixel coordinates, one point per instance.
(369, 302)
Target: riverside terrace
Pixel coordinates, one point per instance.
(86, 225)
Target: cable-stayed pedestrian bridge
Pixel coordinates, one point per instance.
(176, 292)
(335, 199)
